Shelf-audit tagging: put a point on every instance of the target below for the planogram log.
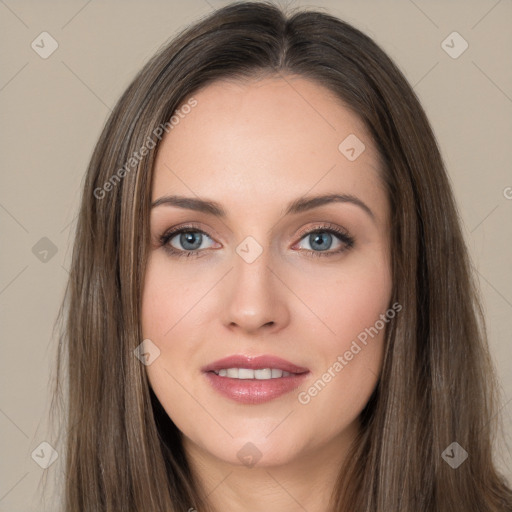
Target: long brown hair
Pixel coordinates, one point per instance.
(437, 386)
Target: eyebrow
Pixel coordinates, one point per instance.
(299, 205)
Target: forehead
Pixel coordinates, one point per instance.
(266, 138)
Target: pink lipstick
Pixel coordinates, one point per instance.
(254, 379)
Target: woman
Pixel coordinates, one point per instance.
(319, 347)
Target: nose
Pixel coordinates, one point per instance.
(256, 298)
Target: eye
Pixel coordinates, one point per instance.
(185, 241)
(321, 240)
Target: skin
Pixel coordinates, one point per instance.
(254, 146)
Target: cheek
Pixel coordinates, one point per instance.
(356, 308)
(153, 300)
(163, 306)
(347, 300)
(165, 299)
(361, 300)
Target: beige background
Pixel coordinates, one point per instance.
(52, 111)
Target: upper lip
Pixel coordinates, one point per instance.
(254, 363)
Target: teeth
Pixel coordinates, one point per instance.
(247, 373)
(264, 374)
(244, 373)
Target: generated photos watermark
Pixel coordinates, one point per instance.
(150, 143)
(305, 397)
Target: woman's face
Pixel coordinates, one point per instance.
(248, 280)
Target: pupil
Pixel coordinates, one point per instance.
(188, 238)
(317, 238)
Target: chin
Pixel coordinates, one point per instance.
(257, 451)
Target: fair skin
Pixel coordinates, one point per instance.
(253, 147)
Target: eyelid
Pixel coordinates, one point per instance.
(323, 226)
(181, 228)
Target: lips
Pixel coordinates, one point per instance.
(251, 390)
(254, 363)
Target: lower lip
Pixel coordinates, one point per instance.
(254, 391)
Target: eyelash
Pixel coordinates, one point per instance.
(342, 235)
